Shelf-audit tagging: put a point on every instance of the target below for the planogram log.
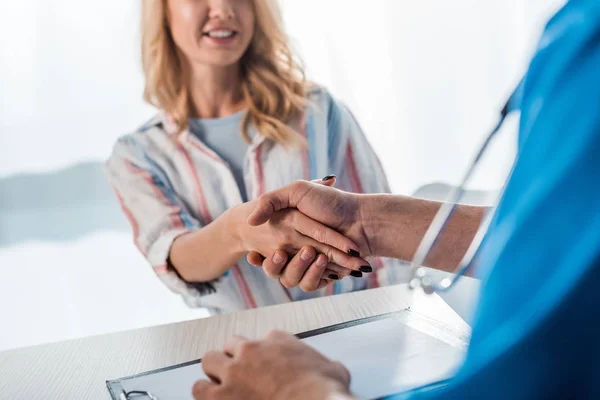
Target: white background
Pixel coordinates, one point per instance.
(425, 78)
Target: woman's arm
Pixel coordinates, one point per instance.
(209, 252)
(156, 214)
(180, 246)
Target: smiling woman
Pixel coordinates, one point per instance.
(222, 41)
(238, 119)
(242, 42)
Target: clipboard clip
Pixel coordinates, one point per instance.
(135, 394)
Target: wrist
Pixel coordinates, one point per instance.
(369, 206)
(237, 227)
(380, 215)
(354, 214)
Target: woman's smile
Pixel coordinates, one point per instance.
(220, 36)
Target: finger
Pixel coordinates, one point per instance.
(321, 233)
(323, 283)
(342, 259)
(336, 270)
(331, 275)
(214, 364)
(233, 345)
(295, 269)
(286, 197)
(201, 389)
(312, 278)
(274, 265)
(255, 259)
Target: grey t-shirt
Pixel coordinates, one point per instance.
(224, 137)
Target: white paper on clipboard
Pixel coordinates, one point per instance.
(384, 357)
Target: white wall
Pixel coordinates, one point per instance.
(425, 78)
(70, 81)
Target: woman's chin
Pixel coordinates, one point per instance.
(219, 60)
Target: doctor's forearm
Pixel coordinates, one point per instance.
(394, 226)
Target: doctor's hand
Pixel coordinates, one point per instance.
(280, 367)
(292, 232)
(341, 211)
(307, 269)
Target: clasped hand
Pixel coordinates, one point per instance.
(305, 241)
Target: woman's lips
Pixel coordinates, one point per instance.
(220, 36)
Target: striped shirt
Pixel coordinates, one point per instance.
(169, 185)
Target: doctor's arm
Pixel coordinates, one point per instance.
(381, 224)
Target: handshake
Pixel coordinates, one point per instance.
(306, 234)
(310, 234)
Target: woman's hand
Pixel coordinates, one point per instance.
(307, 269)
(290, 230)
(280, 367)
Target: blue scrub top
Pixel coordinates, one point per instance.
(536, 333)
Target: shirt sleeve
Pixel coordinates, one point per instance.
(351, 156)
(359, 170)
(156, 214)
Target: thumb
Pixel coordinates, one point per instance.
(286, 197)
(269, 203)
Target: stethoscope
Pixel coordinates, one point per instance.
(420, 276)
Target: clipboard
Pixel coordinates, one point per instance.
(454, 345)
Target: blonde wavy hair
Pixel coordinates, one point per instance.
(273, 82)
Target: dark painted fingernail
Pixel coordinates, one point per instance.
(353, 253)
(334, 277)
(366, 268)
(328, 178)
(356, 274)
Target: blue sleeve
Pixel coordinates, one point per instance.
(537, 327)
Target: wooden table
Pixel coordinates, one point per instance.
(78, 369)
